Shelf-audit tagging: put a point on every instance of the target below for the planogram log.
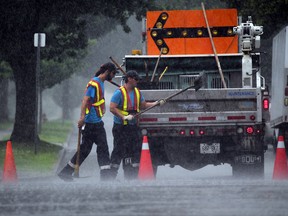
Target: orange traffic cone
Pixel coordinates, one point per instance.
(145, 169)
(9, 171)
(280, 171)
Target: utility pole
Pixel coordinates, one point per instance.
(39, 41)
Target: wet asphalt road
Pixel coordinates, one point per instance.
(208, 191)
(199, 196)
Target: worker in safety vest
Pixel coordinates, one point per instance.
(126, 102)
(93, 131)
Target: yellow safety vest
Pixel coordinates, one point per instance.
(99, 102)
(127, 101)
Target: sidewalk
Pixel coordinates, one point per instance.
(88, 168)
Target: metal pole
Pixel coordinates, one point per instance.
(156, 66)
(36, 96)
(213, 47)
(40, 108)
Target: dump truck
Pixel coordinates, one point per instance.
(221, 123)
(279, 86)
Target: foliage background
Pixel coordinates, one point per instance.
(80, 37)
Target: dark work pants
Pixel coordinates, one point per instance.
(127, 144)
(94, 133)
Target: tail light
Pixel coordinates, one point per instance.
(265, 103)
(192, 132)
(201, 132)
(249, 130)
(182, 132)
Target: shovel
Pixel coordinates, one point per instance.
(197, 85)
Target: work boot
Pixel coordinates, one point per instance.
(114, 172)
(66, 173)
(105, 175)
(130, 169)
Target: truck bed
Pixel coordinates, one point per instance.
(204, 107)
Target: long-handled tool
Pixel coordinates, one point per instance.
(76, 170)
(197, 85)
(113, 83)
(156, 66)
(213, 46)
(118, 66)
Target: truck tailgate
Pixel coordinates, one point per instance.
(206, 106)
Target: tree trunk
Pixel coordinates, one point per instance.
(4, 83)
(24, 127)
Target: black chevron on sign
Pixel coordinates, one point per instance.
(159, 33)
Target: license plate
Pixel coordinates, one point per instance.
(214, 148)
(248, 159)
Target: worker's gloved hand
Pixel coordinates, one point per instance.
(128, 117)
(162, 102)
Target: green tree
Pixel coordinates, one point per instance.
(189, 5)
(65, 24)
(270, 14)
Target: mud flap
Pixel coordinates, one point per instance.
(248, 165)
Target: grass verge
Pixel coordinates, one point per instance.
(53, 136)
(55, 131)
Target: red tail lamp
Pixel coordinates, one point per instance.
(201, 132)
(249, 130)
(265, 103)
(182, 132)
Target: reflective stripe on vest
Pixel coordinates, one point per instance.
(99, 100)
(127, 101)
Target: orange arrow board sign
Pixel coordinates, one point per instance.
(185, 32)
